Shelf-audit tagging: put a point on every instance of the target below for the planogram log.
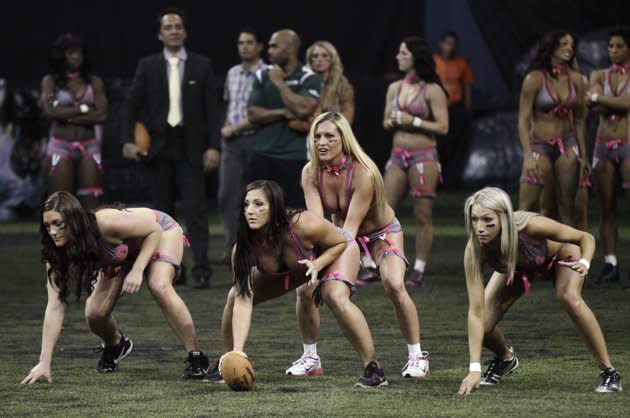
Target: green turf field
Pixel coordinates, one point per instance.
(556, 376)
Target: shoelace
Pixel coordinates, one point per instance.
(491, 367)
(607, 377)
(415, 359)
(303, 360)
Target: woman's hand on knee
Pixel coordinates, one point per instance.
(132, 282)
(578, 266)
(312, 270)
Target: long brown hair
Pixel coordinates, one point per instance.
(76, 264)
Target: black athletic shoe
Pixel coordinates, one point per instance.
(368, 275)
(196, 365)
(499, 368)
(611, 382)
(113, 355)
(214, 375)
(626, 283)
(609, 274)
(373, 376)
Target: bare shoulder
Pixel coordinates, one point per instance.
(533, 79)
(48, 81)
(393, 86)
(362, 176)
(540, 226)
(306, 223)
(435, 91)
(309, 172)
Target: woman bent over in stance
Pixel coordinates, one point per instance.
(551, 126)
(520, 247)
(345, 181)
(106, 254)
(278, 250)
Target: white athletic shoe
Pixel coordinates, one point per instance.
(417, 365)
(307, 365)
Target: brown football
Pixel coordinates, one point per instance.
(142, 137)
(237, 371)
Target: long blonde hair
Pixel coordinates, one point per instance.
(512, 222)
(350, 147)
(336, 80)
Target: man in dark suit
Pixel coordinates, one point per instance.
(172, 95)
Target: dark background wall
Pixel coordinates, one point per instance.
(120, 32)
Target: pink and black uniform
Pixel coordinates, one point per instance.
(547, 103)
(292, 278)
(341, 212)
(406, 159)
(534, 262)
(59, 148)
(615, 150)
(118, 255)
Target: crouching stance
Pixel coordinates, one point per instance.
(106, 254)
(521, 247)
(278, 250)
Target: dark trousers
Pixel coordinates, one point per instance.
(236, 154)
(287, 173)
(172, 173)
(453, 147)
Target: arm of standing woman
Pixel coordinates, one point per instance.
(579, 120)
(51, 329)
(98, 112)
(324, 236)
(474, 286)
(540, 226)
(346, 101)
(596, 86)
(531, 84)
(139, 223)
(387, 123)
(439, 107)
(311, 193)
(362, 197)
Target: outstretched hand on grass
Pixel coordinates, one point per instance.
(470, 383)
(37, 372)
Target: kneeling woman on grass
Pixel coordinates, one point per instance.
(108, 253)
(521, 246)
(278, 250)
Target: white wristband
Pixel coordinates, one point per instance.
(417, 122)
(398, 117)
(84, 108)
(594, 97)
(475, 367)
(585, 262)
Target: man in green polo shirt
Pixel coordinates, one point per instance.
(281, 92)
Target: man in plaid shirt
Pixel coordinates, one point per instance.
(237, 133)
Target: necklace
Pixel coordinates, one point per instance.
(336, 169)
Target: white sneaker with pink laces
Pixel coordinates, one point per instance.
(417, 365)
(307, 365)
